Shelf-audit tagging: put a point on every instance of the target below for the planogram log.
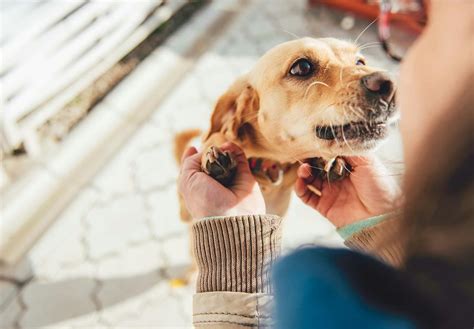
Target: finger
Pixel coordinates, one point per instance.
(314, 190)
(304, 171)
(192, 163)
(300, 188)
(189, 151)
(369, 165)
(305, 192)
(366, 160)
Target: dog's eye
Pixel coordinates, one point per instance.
(302, 68)
(360, 61)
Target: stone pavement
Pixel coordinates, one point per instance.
(109, 259)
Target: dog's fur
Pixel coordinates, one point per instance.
(272, 114)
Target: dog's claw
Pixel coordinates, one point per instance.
(339, 170)
(332, 170)
(220, 165)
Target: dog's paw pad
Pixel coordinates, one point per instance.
(220, 165)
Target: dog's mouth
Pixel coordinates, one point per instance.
(353, 131)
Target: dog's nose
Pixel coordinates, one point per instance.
(379, 84)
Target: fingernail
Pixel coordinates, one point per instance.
(314, 190)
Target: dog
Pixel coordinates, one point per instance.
(304, 99)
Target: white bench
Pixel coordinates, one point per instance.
(53, 50)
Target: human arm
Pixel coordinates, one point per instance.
(362, 206)
(235, 245)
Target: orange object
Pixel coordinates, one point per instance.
(411, 21)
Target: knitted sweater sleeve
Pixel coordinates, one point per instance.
(377, 236)
(234, 257)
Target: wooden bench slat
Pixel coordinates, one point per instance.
(68, 65)
(44, 17)
(55, 37)
(12, 12)
(68, 56)
(44, 66)
(40, 116)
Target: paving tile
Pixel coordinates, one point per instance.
(113, 226)
(21, 271)
(117, 178)
(8, 292)
(10, 313)
(177, 255)
(262, 27)
(127, 280)
(90, 320)
(137, 260)
(131, 311)
(184, 295)
(51, 302)
(156, 168)
(62, 246)
(164, 208)
(160, 311)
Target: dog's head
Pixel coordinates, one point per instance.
(307, 98)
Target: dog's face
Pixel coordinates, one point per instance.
(311, 97)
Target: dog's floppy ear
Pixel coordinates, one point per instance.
(237, 106)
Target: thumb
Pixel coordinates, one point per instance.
(244, 180)
(189, 151)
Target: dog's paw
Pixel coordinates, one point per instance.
(332, 170)
(220, 165)
(338, 169)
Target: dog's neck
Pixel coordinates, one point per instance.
(256, 145)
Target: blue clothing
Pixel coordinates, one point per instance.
(339, 288)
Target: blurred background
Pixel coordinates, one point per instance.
(92, 94)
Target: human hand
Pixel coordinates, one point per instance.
(370, 190)
(205, 197)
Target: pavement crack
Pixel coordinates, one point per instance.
(98, 284)
(23, 310)
(17, 282)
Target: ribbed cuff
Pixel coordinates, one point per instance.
(381, 240)
(236, 253)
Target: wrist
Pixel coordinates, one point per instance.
(357, 217)
(348, 230)
(243, 211)
(235, 253)
(378, 236)
(238, 210)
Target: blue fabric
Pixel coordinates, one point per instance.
(319, 288)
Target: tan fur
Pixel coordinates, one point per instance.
(273, 115)
(181, 141)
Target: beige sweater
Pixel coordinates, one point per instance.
(234, 257)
